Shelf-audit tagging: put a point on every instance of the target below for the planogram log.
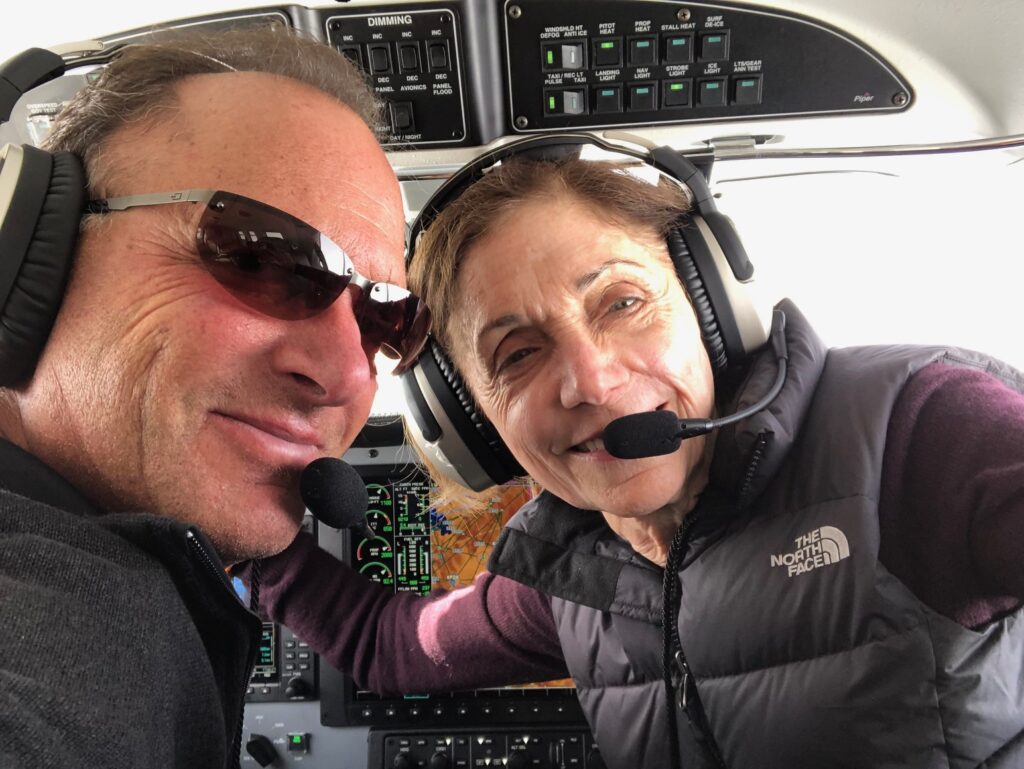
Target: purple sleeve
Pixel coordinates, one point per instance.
(952, 503)
(492, 633)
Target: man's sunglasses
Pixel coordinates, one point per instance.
(282, 267)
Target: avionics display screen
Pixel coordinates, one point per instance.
(265, 669)
(419, 548)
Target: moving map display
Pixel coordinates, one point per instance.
(419, 548)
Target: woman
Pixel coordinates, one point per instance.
(848, 589)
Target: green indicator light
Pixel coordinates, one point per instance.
(747, 83)
(643, 43)
(715, 39)
(643, 90)
(711, 86)
(296, 738)
(607, 45)
(551, 103)
(608, 92)
(551, 57)
(679, 41)
(676, 86)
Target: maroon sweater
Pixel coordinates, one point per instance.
(952, 528)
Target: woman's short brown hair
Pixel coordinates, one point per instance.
(608, 189)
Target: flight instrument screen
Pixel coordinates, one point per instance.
(419, 547)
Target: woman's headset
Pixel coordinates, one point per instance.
(41, 200)
(709, 258)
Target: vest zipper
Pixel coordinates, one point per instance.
(683, 682)
(680, 683)
(679, 677)
(689, 700)
(203, 556)
(755, 459)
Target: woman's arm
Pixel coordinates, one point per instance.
(492, 633)
(952, 506)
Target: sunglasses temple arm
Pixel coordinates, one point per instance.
(105, 205)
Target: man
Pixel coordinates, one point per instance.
(182, 390)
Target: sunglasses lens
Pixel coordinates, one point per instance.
(284, 268)
(394, 320)
(268, 260)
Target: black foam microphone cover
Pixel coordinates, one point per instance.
(649, 434)
(334, 493)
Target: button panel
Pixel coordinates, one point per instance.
(285, 669)
(610, 63)
(568, 748)
(568, 101)
(411, 60)
(714, 46)
(676, 93)
(643, 51)
(641, 73)
(567, 55)
(643, 97)
(608, 98)
(678, 49)
(711, 93)
(607, 52)
(746, 89)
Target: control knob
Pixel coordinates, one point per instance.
(261, 749)
(296, 687)
(439, 761)
(518, 760)
(402, 761)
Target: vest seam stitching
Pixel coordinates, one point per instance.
(522, 577)
(605, 687)
(1009, 744)
(935, 690)
(846, 650)
(986, 365)
(829, 500)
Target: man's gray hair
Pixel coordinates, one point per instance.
(141, 80)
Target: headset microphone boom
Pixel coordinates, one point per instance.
(653, 433)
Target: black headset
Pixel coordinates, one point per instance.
(709, 258)
(41, 200)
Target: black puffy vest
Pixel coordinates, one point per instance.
(805, 650)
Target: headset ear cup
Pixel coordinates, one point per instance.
(502, 466)
(35, 297)
(686, 269)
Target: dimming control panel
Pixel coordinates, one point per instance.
(592, 63)
(412, 60)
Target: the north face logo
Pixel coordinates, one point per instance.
(820, 547)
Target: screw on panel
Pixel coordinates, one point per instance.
(900, 99)
(683, 14)
(521, 122)
(515, 11)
